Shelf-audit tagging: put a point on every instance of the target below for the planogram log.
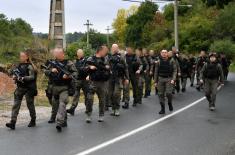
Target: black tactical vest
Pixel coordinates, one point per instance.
(24, 71)
(80, 65)
(101, 73)
(132, 63)
(211, 71)
(165, 68)
(117, 68)
(57, 78)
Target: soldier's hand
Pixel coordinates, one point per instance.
(54, 70)
(179, 74)
(201, 81)
(107, 67)
(137, 72)
(151, 73)
(65, 77)
(92, 67)
(155, 84)
(88, 78)
(172, 82)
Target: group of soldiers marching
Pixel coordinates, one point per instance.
(111, 76)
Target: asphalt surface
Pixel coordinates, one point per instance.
(194, 131)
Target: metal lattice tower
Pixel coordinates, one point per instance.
(57, 23)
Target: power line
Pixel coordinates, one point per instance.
(88, 24)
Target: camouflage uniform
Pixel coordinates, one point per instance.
(165, 71)
(120, 73)
(134, 63)
(192, 63)
(211, 74)
(26, 87)
(184, 67)
(80, 83)
(199, 64)
(148, 76)
(98, 79)
(142, 77)
(60, 90)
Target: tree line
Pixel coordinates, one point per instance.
(207, 25)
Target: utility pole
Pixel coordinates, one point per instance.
(88, 24)
(57, 23)
(108, 29)
(176, 24)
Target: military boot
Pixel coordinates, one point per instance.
(162, 112)
(170, 106)
(125, 106)
(32, 123)
(11, 125)
(71, 111)
(52, 120)
(58, 128)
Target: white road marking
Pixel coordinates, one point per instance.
(135, 131)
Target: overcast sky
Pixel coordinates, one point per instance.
(36, 12)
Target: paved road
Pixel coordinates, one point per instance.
(192, 130)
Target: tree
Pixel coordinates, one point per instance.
(137, 22)
(119, 24)
(73, 47)
(225, 23)
(218, 3)
(73, 37)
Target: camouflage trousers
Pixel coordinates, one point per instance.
(108, 90)
(49, 93)
(210, 88)
(148, 79)
(165, 89)
(116, 88)
(18, 97)
(141, 81)
(80, 85)
(137, 83)
(184, 81)
(60, 100)
(192, 77)
(98, 88)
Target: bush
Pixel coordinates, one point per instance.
(225, 46)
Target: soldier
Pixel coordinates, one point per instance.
(175, 56)
(154, 58)
(225, 65)
(184, 67)
(25, 76)
(62, 72)
(140, 75)
(165, 76)
(211, 75)
(99, 74)
(108, 96)
(192, 66)
(119, 74)
(202, 59)
(49, 92)
(147, 75)
(81, 82)
(134, 67)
